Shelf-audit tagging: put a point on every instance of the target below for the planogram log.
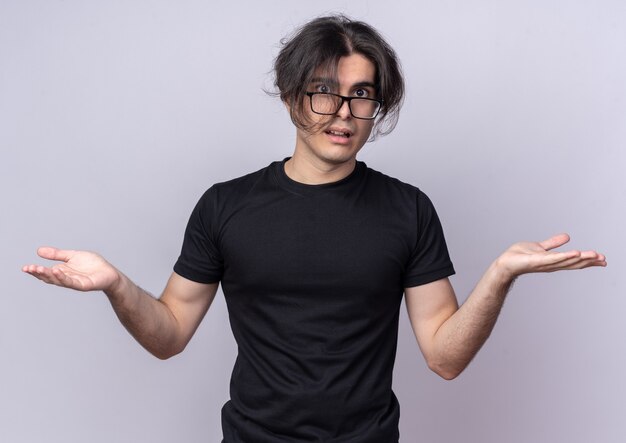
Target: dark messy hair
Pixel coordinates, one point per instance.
(319, 44)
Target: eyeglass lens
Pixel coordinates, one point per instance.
(330, 104)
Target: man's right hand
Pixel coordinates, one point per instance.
(80, 270)
(163, 326)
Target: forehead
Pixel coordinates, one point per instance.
(351, 69)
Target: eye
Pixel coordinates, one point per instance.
(361, 93)
(322, 88)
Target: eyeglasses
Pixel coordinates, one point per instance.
(325, 103)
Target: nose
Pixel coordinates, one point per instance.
(344, 110)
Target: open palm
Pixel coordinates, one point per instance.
(80, 270)
(527, 257)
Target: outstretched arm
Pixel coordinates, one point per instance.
(449, 336)
(163, 326)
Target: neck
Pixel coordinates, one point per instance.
(311, 172)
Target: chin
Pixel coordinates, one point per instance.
(338, 158)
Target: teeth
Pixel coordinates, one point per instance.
(343, 134)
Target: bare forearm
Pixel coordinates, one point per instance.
(148, 320)
(163, 327)
(462, 335)
(450, 336)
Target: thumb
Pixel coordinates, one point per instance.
(555, 241)
(51, 253)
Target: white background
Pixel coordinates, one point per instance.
(115, 117)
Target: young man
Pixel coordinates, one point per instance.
(314, 254)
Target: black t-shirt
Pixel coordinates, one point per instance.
(313, 277)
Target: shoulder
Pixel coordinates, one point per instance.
(240, 186)
(391, 184)
(246, 182)
(399, 193)
(225, 198)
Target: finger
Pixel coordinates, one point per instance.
(554, 258)
(576, 257)
(555, 241)
(55, 276)
(42, 273)
(601, 263)
(589, 255)
(575, 263)
(585, 264)
(593, 255)
(33, 269)
(51, 253)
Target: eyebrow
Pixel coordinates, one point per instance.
(332, 82)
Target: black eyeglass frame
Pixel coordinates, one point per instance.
(345, 99)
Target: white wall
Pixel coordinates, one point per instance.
(115, 117)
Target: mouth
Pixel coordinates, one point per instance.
(339, 133)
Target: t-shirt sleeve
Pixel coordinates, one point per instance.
(430, 260)
(200, 259)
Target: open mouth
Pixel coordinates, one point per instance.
(339, 133)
